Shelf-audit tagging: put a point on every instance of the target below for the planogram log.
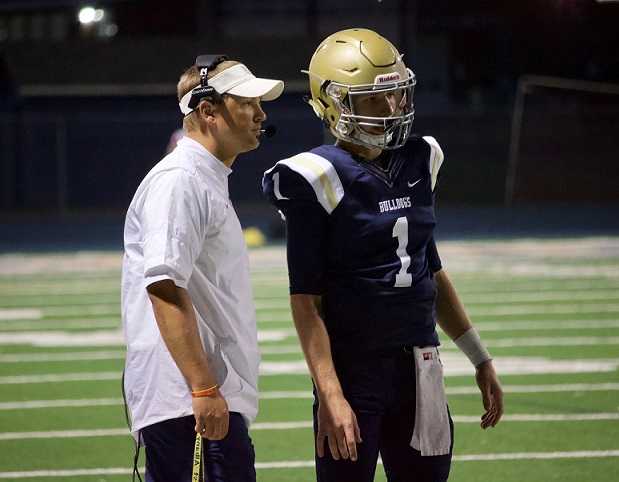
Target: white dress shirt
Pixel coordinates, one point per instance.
(181, 226)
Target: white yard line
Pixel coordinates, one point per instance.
(493, 298)
(102, 337)
(307, 394)
(526, 325)
(20, 314)
(60, 378)
(84, 402)
(558, 341)
(300, 464)
(114, 337)
(304, 424)
(552, 388)
(60, 357)
(455, 364)
(544, 309)
(53, 325)
(479, 309)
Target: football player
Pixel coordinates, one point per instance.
(366, 282)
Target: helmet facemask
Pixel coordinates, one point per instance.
(385, 132)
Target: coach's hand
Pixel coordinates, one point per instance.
(338, 424)
(491, 394)
(212, 417)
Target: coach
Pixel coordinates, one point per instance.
(187, 309)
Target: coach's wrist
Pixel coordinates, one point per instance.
(211, 391)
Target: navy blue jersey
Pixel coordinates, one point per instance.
(360, 234)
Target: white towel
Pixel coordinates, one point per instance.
(431, 435)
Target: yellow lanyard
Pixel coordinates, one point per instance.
(197, 459)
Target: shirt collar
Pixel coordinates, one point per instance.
(207, 159)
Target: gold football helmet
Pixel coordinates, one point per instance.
(361, 89)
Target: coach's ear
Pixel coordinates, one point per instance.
(206, 110)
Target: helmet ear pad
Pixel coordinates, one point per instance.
(318, 106)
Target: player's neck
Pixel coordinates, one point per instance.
(367, 153)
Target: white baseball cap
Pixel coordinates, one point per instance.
(238, 80)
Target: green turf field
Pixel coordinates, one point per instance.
(548, 309)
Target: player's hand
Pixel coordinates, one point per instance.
(491, 394)
(212, 417)
(337, 423)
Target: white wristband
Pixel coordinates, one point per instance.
(471, 345)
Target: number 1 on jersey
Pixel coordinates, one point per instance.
(400, 231)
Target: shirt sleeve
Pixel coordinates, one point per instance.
(434, 260)
(306, 228)
(174, 218)
(306, 247)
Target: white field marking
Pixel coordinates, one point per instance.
(532, 325)
(488, 290)
(304, 424)
(63, 338)
(301, 464)
(278, 349)
(493, 298)
(555, 309)
(60, 378)
(286, 395)
(491, 343)
(519, 297)
(101, 337)
(283, 368)
(275, 318)
(84, 402)
(49, 325)
(510, 268)
(275, 335)
(483, 300)
(579, 454)
(20, 314)
(100, 309)
(91, 288)
(532, 309)
(558, 341)
(306, 394)
(501, 325)
(455, 364)
(552, 388)
(67, 473)
(58, 357)
(543, 417)
(484, 305)
(503, 286)
(527, 325)
(87, 433)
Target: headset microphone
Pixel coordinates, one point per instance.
(269, 131)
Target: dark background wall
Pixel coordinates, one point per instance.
(85, 111)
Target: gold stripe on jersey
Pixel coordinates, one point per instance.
(321, 175)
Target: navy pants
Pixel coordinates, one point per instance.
(169, 452)
(381, 392)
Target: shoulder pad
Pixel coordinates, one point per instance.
(436, 158)
(316, 172)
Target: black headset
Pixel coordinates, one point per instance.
(204, 63)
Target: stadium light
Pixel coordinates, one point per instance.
(88, 15)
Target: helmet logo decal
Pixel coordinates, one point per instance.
(387, 78)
